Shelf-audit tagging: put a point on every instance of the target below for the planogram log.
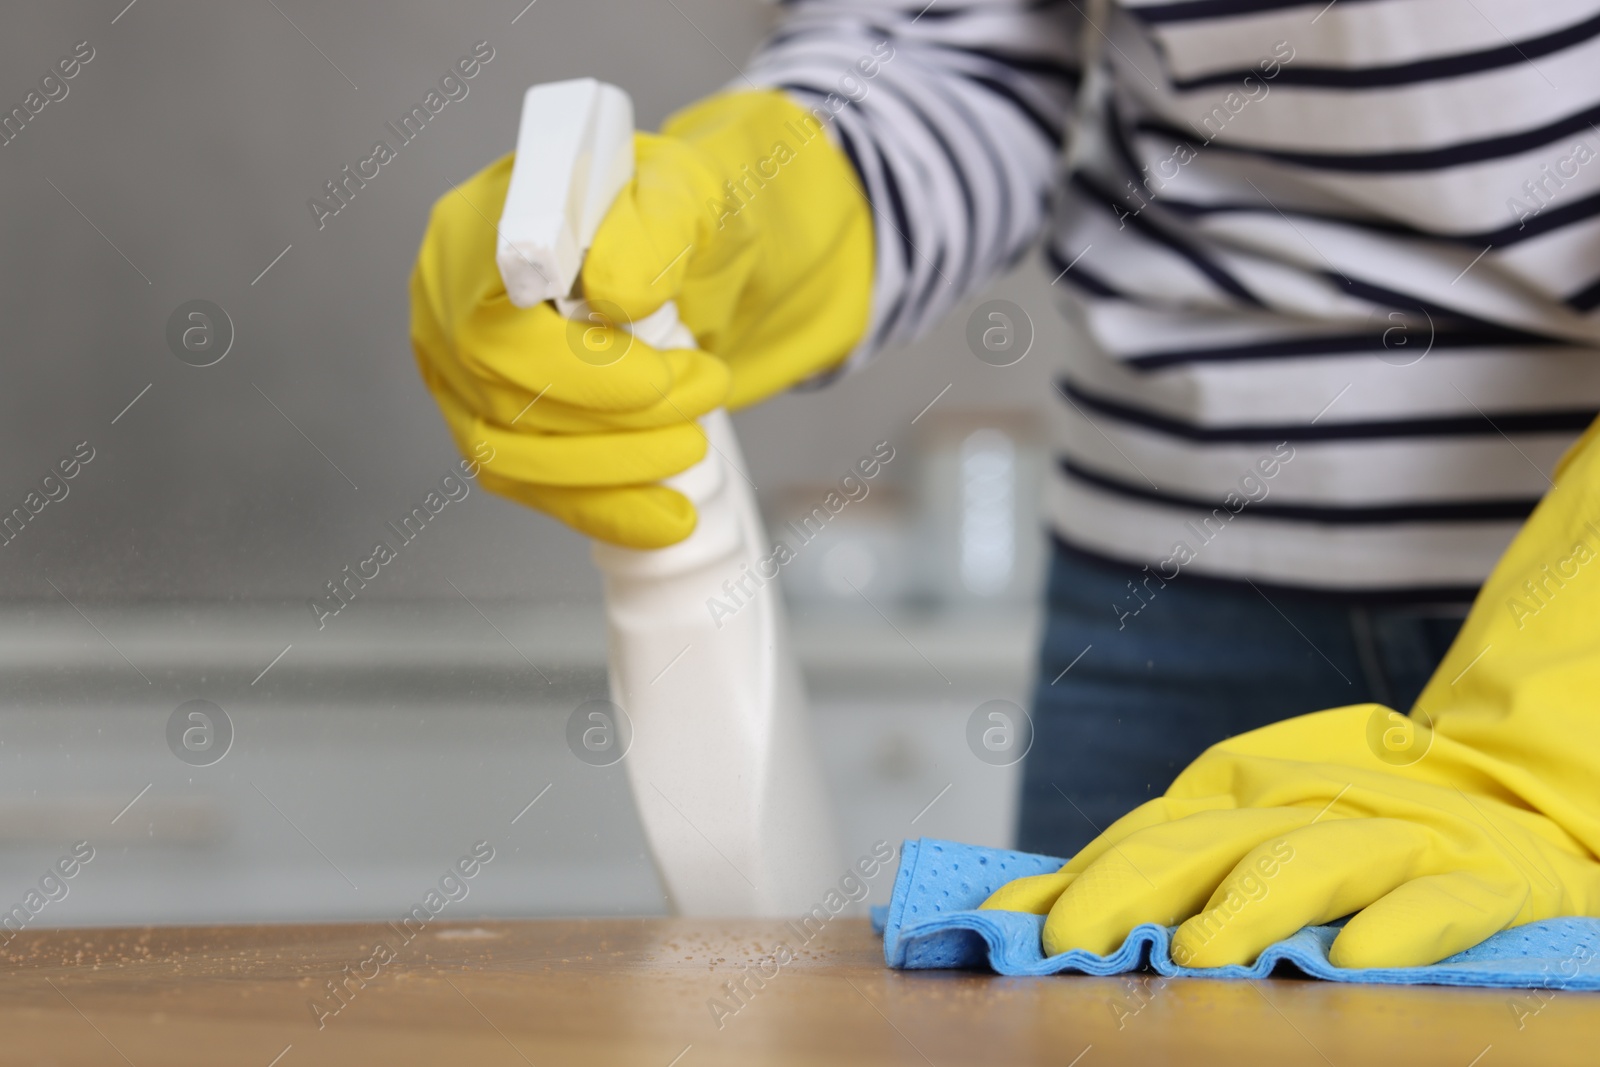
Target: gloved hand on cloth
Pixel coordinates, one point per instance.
(772, 274)
(1431, 837)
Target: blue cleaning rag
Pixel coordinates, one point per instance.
(932, 922)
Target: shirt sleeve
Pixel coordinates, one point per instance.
(953, 113)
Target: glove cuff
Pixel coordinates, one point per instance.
(784, 177)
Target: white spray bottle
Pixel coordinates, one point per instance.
(721, 764)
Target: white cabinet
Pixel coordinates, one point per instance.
(376, 752)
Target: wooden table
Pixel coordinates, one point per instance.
(643, 992)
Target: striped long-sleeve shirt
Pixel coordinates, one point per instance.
(1338, 263)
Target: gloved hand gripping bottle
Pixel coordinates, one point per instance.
(721, 764)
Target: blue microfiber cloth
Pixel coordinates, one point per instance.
(932, 922)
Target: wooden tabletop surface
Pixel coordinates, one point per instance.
(654, 993)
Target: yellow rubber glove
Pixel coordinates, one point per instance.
(745, 214)
(1432, 838)
(764, 232)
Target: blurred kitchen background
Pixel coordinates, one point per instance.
(366, 756)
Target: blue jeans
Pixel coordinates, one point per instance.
(1202, 660)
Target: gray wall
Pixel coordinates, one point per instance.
(191, 143)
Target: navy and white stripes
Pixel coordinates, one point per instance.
(1369, 228)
